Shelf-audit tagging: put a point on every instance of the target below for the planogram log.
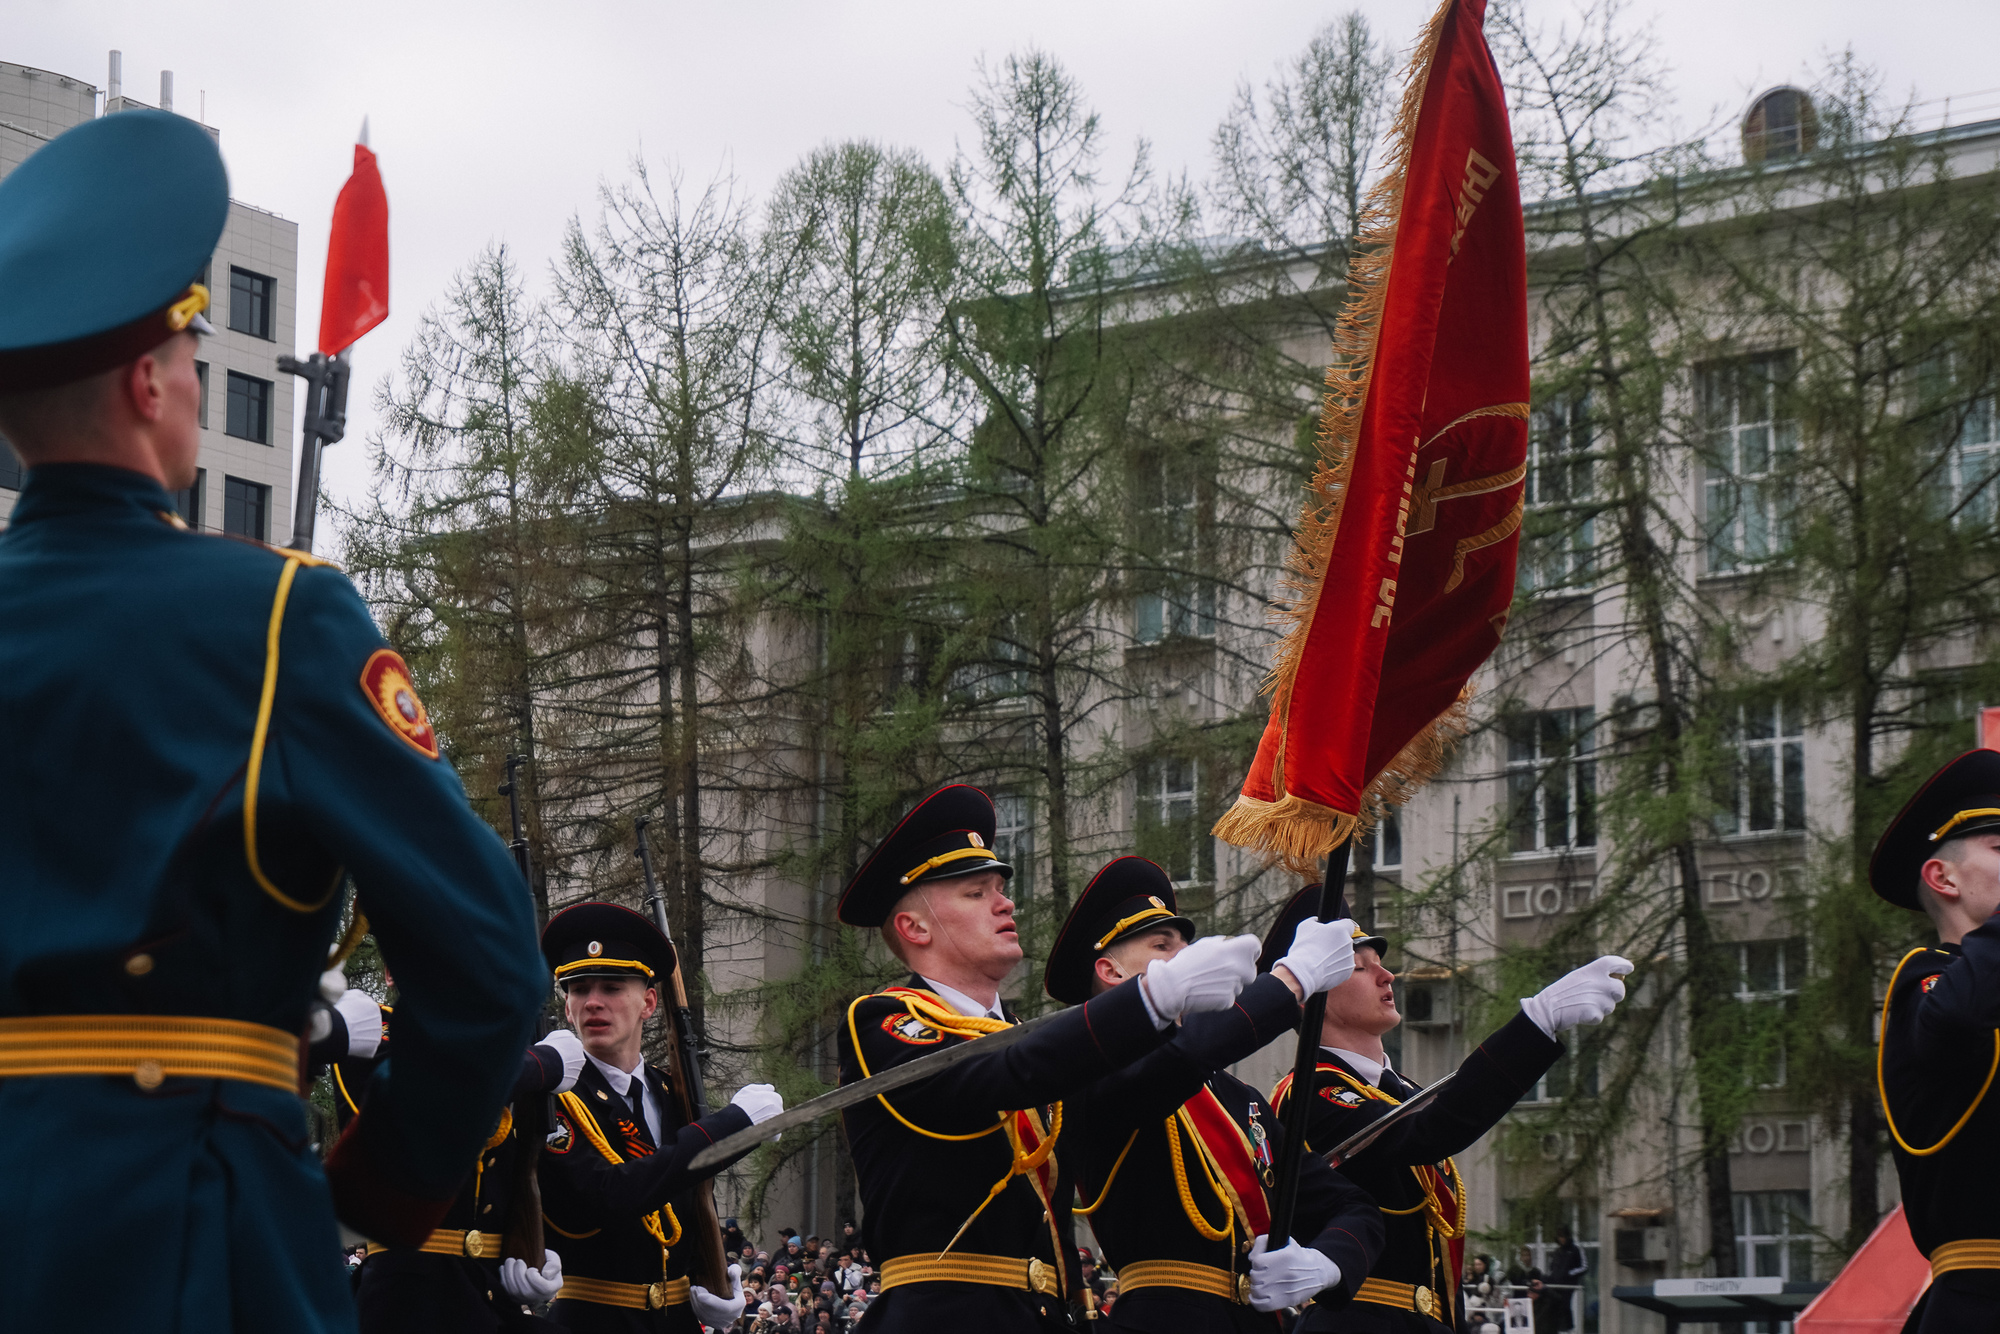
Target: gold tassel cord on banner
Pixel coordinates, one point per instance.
(1292, 830)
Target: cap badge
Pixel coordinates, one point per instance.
(977, 841)
(1155, 900)
(595, 948)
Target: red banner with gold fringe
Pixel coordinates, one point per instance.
(1404, 566)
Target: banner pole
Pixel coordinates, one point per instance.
(1285, 1196)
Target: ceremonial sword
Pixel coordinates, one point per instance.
(847, 1095)
(1371, 1132)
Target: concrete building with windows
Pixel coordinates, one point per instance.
(245, 482)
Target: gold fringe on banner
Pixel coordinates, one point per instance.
(1292, 830)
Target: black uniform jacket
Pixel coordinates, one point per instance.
(416, 1292)
(1940, 1048)
(1395, 1169)
(597, 1209)
(1121, 1124)
(927, 1156)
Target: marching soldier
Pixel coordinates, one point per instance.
(457, 1281)
(234, 712)
(1941, 1037)
(1409, 1171)
(616, 1189)
(1175, 1155)
(967, 1222)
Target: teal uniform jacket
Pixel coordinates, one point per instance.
(133, 658)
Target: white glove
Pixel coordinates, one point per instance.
(569, 1048)
(1322, 954)
(363, 1018)
(760, 1100)
(1585, 996)
(331, 983)
(1207, 975)
(1287, 1276)
(527, 1286)
(719, 1312)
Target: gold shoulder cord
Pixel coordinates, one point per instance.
(1021, 1160)
(1882, 1087)
(1194, 1215)
(595, 1134)
(254, 774)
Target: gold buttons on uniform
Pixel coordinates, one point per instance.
(149, 1075)
(139, 965)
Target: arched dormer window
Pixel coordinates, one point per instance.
(1780, 124)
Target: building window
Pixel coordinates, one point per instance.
(250, 303)
(1014, 841)
(1384, 842)
(1767, 787)
(1001, 674)
(1170, 830)
(1974, 473)
(249, 408)
(246, 508)
(1551, 781)
(188, 501)
(1748, 439)
(11, 472)
(1557, 534)
(201, 374)
(1768, 976)
(1780, 124)
(1774, 1233)
(1174, 524)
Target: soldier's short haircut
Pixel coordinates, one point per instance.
(33, 420)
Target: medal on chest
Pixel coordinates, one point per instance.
(1260, 1146)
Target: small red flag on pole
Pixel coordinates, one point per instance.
(1404, 569)
(357, 257)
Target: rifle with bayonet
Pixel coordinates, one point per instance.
(711, 1267)
(533, 1114)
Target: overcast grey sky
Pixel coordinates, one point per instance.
(498, 120)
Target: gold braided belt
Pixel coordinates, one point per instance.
(1402, 1296)
(1980, 1253)
(150, 1048)
(450, 1241)
(1000, 1271)
(631, 1296)
(1182, 1274)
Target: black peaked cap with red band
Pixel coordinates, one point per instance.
(948, 834)
(1127, 897)
(1303, 905)
(1961, 798)
(606, 940)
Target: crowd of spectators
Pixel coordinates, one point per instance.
(823, 1285)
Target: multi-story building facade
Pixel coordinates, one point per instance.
(245, 481)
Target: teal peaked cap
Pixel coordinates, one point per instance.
(101, 230)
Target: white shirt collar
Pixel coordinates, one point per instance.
(963, 1003)
(1367, 1067)
(621, 1082)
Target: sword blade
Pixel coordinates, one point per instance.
(909, 1072)
(1375, 1129)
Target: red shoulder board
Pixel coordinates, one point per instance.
(386, 680)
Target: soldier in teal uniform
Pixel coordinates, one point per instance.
(1941, 1038)
(205, 735)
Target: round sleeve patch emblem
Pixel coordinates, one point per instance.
(908, 1028)
(387, 683)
